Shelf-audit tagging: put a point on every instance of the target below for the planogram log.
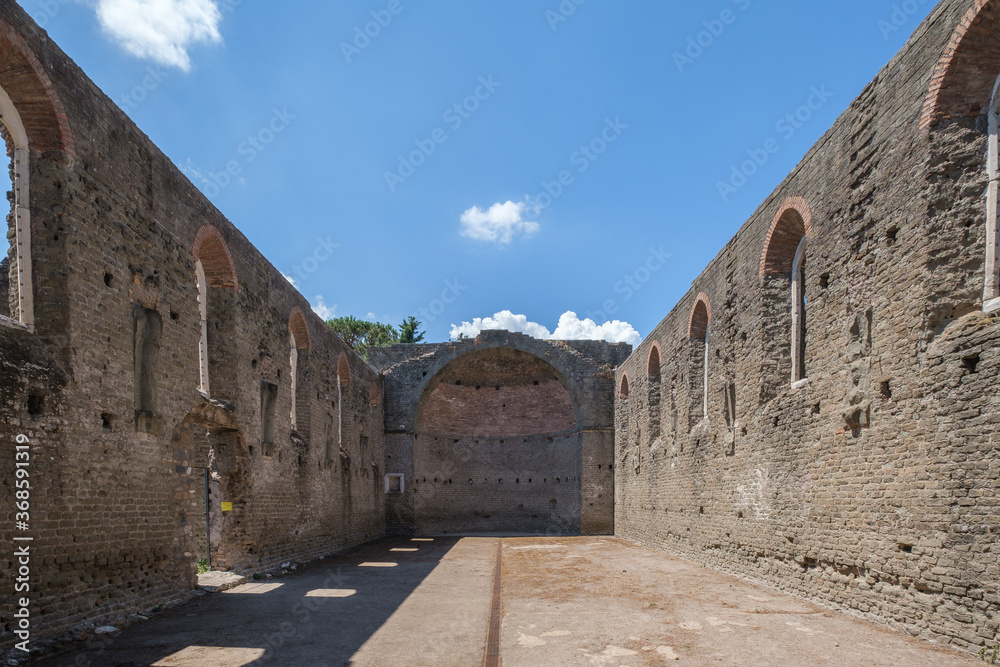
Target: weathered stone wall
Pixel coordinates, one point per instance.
(872, 485)
(106, 383)
(501, 433)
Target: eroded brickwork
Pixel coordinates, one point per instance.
(501, 433)
(106, 383)
(873, 484)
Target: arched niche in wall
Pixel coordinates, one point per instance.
(217, 295)
(498, 446)
(698, 339)
(300, 343)
(784, 297)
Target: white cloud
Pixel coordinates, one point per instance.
(570, 327)
(499, 224)
(290, 279)
(503, 320)
(324, 311)
(161, 30)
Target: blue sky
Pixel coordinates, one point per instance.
(355, 173)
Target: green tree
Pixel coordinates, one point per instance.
(408, 331)
(362, 335)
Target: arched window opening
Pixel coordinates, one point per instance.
(799, 313)
(203, 325)
(653, 365)
(991, 291)
(783, 290)
(625, 387)
(299, 346)
(16, 295)
(698, 334)
(655, 392)
(217, 292)
(294, 365)
(344, 370)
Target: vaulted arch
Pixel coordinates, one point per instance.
(217, 292)
(498, 445)
(653, 362)
(698, 335)
(297, 325)
(213, 253)
(701, 314)
(344, 370)
(300, 344)
(792, 223)
(962, 83)
(26, 83)
(783, 290)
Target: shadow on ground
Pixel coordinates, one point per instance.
(321, 615)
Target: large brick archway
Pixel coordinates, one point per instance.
(497, 447)
(501, 433)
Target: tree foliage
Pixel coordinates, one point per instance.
(409, 331)
(363, 335)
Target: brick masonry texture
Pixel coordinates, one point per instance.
(117, 504)
(871, 486)
(503, 433)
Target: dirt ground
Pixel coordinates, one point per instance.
(565, 601)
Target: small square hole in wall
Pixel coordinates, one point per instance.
(971, 364)
(394, 483)
(36, 404)
(109, 279)
(824, 281)
(815, 410)
(107, 420)
(174, 316)
(885, 389)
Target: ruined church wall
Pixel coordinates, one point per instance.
(114, 510)
(872, 485)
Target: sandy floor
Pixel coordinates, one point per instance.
(565, 601)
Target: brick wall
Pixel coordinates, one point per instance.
(871, 486)
(117, 503)
(501, 433)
